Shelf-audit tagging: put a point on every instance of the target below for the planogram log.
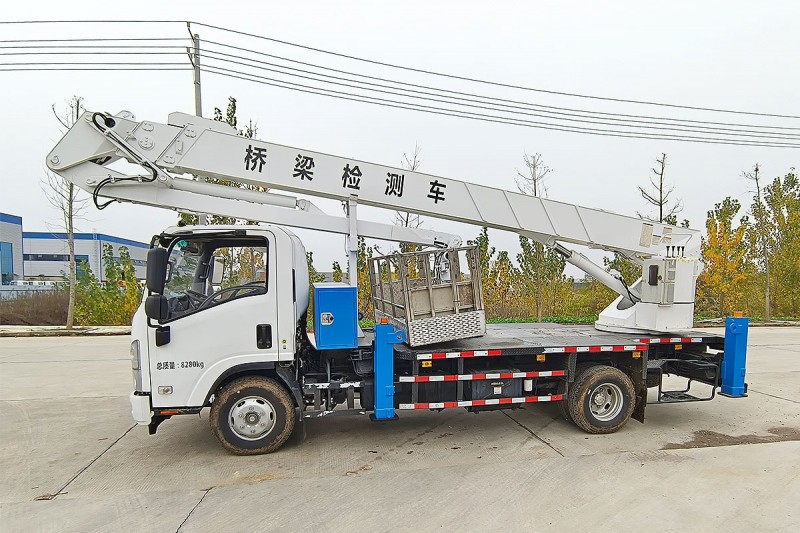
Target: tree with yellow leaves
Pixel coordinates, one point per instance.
(722, 287)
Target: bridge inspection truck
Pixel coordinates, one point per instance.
(224, 321)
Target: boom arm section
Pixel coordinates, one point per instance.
(202, 147)
(190, 145)
(83, 158)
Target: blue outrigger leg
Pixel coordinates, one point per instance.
(385, 339)
(733, 362)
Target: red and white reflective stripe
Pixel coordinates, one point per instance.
(478, 403)
(593, 349)
(672, 340)
(475, 377)
(456, 355)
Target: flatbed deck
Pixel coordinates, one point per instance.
(545, 337)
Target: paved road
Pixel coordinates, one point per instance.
(66, 436)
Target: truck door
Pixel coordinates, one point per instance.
(222, 313)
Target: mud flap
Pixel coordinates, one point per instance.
(641, 403)
(299, 434)
(636, 369)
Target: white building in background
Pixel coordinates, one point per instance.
(44, 255)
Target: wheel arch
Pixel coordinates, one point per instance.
(634, 368)
(281, 374)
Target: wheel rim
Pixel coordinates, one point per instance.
(606, 401)
(251, 418)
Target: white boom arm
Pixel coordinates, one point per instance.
(190, 145)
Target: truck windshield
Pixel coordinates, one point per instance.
(204, 273)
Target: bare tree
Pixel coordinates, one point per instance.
(404, 218)
(761, 230)
(659, 196)
(531, 182)
(63, 195)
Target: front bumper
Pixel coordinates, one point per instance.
(140, 408)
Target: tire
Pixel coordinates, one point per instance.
(252, 415)
(601, 400)
(563, 405)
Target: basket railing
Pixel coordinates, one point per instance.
(426, 284)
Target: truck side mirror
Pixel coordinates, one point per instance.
(156, 307)
(218, 273)
(157, 259)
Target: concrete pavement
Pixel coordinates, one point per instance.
(72, 460)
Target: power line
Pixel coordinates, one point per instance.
(153, 53)
(95, 21)
(494, 83)
(410, 69)
(472, 103)
(478, 116)
(538, 106)
(78, 65)
(649, 122)
(93, 39)
(66, 68)
(87, 47)
(81, 63)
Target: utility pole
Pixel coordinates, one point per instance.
(194, 57)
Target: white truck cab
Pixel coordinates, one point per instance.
(222, 299)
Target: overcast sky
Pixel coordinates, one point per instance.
(734, 55)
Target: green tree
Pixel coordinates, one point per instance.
(364, 255)
(109, 302)
(538, 264)
(759, 234)
(722, 286)
(502, 295)
(313, 277)
(629, 270)
(782, 220)
(485, 252)
(338, 275)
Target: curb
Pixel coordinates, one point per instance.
(57, 331)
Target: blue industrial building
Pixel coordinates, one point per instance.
(44, 255)
(11, 262)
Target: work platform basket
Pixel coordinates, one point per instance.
(433, 295)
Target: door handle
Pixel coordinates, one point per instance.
(264, 336)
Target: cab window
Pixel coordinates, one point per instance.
(204, 273)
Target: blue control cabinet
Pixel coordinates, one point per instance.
(335, 316)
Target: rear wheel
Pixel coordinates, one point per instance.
(563, 405)
(252, 415)
(601, 399)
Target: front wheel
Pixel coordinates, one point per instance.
(601, 400)
(252, 415)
